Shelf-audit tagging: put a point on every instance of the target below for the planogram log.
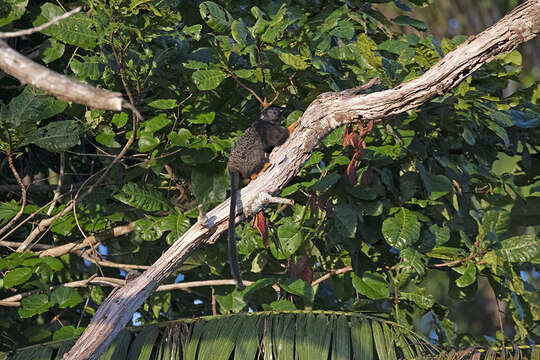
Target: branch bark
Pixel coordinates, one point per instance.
(327, 112)
(60, 86)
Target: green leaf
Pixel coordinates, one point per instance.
(425, 302)
(89, 68)
(65, 297)
(413, 261)
(401, 230)
(180, 138)
(446, 253)
(57, 136)
(8, 210)
(120, 119)
(366, 47)
(202, 118)
(348, 219)
(496, 222)
(156, 123)
(145, 199)
(362, 339)
(441, 234)
(75, 30)
(106, 137)
(33, 305)
(405, 20)
(148, 230)
(282, 305)
(177, 224)
(371, 285)
(233, 301)
(67, 332)
(64, 225)
(52, 262)
(326, 182)
(11, 10)
(163, 104)
(520, 249)
(393, 46)
(210, 184)
(289, 240)
(299, 287)
(468, 277)
(24, 111)
(51, 50)
(208, 79)
(297, 62)
(499, 131)
(341, 343)
(148, 141)
(215, 16)
(240, 33)
(194, 31)
(17, 276)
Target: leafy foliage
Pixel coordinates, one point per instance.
(407, 220)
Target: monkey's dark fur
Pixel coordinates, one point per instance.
(248, 157)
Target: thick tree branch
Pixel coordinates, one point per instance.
(60, 86)
(327, 112)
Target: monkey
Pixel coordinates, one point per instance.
(248, 157)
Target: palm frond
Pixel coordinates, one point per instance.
(287, 335)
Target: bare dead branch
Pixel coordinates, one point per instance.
(16, 244)
(331, 273)
(40, 27)
(73, 247)
(60, 86)
(14, 300)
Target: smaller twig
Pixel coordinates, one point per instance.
(202, 219)
(120, 63)
(267, 104)
(23, 194)
(72, 247)
(10, 303)
(499, 317)
(15, 244)
(263, 199)
(83, 311)
(40, 27)
(59, 185)
(233, 75)
(111, 264)
(459, 261)
(331, 273)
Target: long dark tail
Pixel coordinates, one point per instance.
(233, 253)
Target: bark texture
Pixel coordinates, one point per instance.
(58, 85)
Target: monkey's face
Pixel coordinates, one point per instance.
(272, 114)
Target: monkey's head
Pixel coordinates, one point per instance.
(272, 114)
